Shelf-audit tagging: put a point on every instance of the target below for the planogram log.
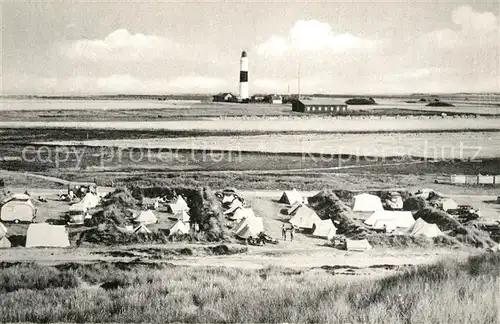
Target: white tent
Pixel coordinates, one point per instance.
(294, 208)
(367, 203)
(290, 197)
(46, 235)
(358, 245)
(141, 229)
(449, 203)
(90, 200)
(146, 217)
(251, 227)
(304, 218)
(181, 202)
(183, 216)
(3, 230)
(4, 243)
(242, 213)
(241, 223)
(179, 228)
(421, 227)
(325, 228)
(233, 207)
(390, 219)
(18, 210)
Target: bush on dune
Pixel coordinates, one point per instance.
(328, 205)
(415, 203)
(204, 208)
(453, 228)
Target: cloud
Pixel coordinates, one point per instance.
(313, 36)
(469, 19)
(275, 46)
(120, 45)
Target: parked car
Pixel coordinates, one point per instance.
(394, 201)
(465, 213)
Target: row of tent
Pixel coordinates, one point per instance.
(306, 218)
(402, 223)
(362, 203)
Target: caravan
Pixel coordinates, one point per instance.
(18, 211)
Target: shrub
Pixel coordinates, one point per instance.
(32, 276)
(440, 104)
(328, 205)
(414, 204)
(360, 101)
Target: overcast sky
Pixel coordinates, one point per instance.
(342, 47)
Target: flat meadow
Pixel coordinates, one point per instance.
(443, 145)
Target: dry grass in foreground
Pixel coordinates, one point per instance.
(446, 292)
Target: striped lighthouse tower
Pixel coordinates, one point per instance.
(244, 76)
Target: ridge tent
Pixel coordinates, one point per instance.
(181, 202)
(252, 227)
(242, 213)
(89, 201)
(421, 227)
(18, 210)
(367, 203)
(179, 228)
(241, 223)
(183, 216)
(294, 208)
(46, 235)
(5, 243)
(304, 218)
(390, 219)
(358, 245)
(141, 229)
(290, 197)
(233, 207)
(146, 217)
(444, 202)
(325, 228)
(3, 230)
(176, 208)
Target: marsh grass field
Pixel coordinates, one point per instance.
(450, 291)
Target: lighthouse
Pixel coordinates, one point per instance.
(244, 77)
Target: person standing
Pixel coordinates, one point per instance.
(292, 231)
(283, 232)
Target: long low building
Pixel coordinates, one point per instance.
(320, 106)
